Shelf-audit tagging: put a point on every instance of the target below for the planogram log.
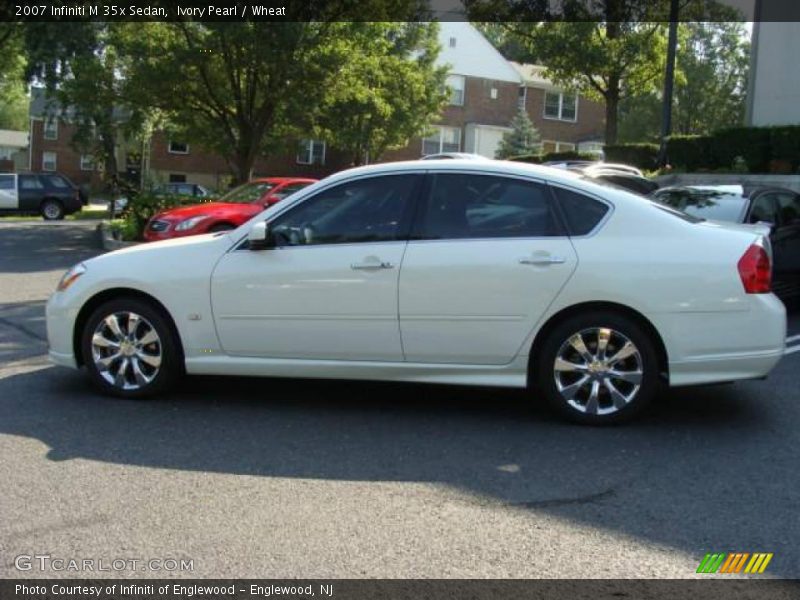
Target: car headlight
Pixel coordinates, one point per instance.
(189, 223)
(71, 276)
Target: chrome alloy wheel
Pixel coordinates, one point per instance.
(126, 350)
(598, 371)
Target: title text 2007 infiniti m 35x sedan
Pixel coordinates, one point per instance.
(464, 272)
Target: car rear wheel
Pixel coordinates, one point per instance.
(52, 210)
(597, 369)
(129, 349)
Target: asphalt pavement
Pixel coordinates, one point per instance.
(289, 478)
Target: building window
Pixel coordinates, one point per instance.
(48, 161)
(177, 178)
(549, 146)
(6, 153)
(311, 152)
(452, 42)
(51, 128)
(87, 162)
(445, 139)
(456, 84)
(178, 148)
(563, 107)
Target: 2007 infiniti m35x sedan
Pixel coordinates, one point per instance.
(462, 272)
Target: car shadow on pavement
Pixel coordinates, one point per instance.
(708, 469)
(21, 249)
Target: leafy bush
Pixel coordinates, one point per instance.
(689, 152)
(125, 230)
(553, 157)
(785, 147)
(751, 143)
(643, 156)
(143, 206)
(738, 149)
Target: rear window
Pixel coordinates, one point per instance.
(249, 192)
(705, 204)
(56, 182)
(30, 182)
(582, 212)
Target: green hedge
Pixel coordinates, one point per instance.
(643, 156)
(751, 149)
(554, 156)
(144, 205)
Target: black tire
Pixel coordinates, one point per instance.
(221, 227)
(579, 408)
(171, 365)
(52, 210)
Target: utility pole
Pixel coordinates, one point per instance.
(669, 79)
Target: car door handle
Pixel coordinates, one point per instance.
(371, 265)
(542, 260)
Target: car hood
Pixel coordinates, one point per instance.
(184, 212)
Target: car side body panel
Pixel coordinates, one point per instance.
(682, 277)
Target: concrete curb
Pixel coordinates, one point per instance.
(107, 239)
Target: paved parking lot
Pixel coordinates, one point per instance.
(287, 478)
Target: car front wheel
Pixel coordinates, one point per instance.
(129, 349)
(597, 369)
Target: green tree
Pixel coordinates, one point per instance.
(387, 91)
(605, 49)
(521, 140)
(712, 63)
(87, 80)
(236, 88)
(13, 92)
(604, 61)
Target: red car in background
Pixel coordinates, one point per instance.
(231, 210)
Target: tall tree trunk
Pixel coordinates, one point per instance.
(612, 110)
(244, 166)
(111, 171)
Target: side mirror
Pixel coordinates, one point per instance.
(259, 237)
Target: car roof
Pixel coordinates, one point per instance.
(489, 165)
(453, 156)
(279, 180)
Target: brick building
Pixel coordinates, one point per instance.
(486, 93)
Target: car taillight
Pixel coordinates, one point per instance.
(755, 270)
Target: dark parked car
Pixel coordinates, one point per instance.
(50, 194)
(181, 189)
(626, 181)
(776, 208)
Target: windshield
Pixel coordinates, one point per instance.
(248, 192)
(715, 205)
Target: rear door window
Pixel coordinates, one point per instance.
(582, 213)
(474, 206)
(30, 182)
(788, 208)
(763, 210)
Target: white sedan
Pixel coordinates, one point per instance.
(460, 272)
